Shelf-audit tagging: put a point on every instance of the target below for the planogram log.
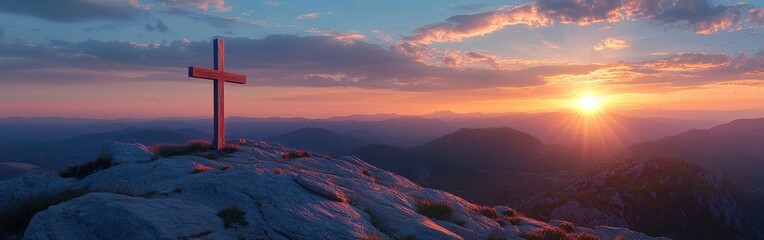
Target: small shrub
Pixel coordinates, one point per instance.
(546, 234)
(409, 237)
(510, 213)
(277, 171)
(14, 220)
(585, 236)
(365, 172)
(201, 168)
(441, 211)
(80, 171)
(296, 154)
(488, 212)
(568, 227)
(555, 234)
(230, 148)
(371, 237)
(198, 148)
(233, 215)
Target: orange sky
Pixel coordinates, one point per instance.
(322, 59)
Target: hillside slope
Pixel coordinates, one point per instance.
(487, 165)
(735, 148)
(656, 195)
(319, 140)
(261, 195)
(52, 155)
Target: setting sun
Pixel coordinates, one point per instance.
(589, 104)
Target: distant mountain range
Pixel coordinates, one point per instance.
(51, 156)
(735, 148)
(402, 131)
(320, 140)
(655, 195)
(489, 165)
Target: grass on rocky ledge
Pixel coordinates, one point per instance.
(488, 212)
(15, 220)
(103, 161)
(436, 210)
(197, 148)
(556, 233)
(295, 154)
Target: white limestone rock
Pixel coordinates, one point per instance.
(307, 198)
(114, 216)
(17, 191)
(122, 153)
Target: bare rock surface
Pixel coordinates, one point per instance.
(316, 197)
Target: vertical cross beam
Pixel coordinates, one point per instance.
(219, 139)
(219, 78)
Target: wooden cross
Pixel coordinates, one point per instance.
(219, 77)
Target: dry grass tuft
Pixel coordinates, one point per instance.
(555, 234)
(296, 154)
(436, 210)
(488, 212)
(199, 148)
(201, 168)
(80, 171)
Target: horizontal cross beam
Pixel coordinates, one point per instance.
(206, 73)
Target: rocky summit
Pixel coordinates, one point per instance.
(261, 191)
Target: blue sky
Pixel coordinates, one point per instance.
(444, 55)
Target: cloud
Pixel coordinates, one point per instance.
(272, 3)
(692, 69)
(73, 10)
(611, 43)
(459, 27)
(205, 5)
(382, 36)
(108, 26)
(311, 15)
(345, 37)
(277, 60)
(159, 26)
(701, 16)
(689, 61)
(215, 21)
(307, 16)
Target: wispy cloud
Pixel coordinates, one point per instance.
(212, 20)
(345, 37)
(701, 16)
(73, 10)
(611, 43)
(311, 15)
(272, 3)
(277, 60)
(218, 5)
(382, 36)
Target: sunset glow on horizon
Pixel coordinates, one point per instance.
(320, 60)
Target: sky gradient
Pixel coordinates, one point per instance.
(118, 59)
